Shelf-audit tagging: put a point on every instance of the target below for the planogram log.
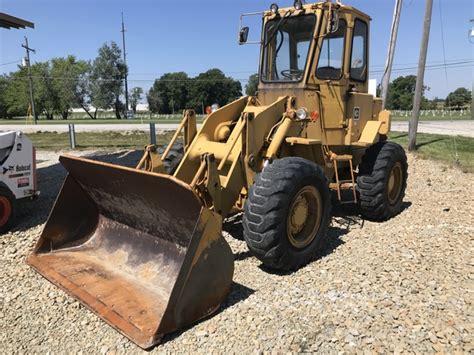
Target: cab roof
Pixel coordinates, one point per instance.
(321, 5)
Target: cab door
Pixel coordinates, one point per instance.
(359, 102)
(330, 74)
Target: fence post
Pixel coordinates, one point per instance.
(72, 136)
(152, 133)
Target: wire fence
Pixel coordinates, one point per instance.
(147, 115)
(103, 116)
(463, 114)
(435, 114)
(141, 115)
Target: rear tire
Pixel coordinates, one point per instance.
(7, 209)
(287, 213)
(382, 181)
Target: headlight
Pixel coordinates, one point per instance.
(274, 8)
(301, 113)
(298, 5)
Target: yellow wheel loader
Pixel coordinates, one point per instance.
(142, 248)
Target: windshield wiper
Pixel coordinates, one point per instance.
(284, 18)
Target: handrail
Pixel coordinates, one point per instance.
(226, 156)
(198, 174)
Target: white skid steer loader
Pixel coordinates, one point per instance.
(17, 175)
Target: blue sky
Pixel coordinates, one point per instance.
(193, 36)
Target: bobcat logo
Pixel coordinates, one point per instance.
(21, 168)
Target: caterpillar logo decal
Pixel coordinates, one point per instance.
(356, 113)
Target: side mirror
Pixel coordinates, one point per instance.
(243, 35)
(333, 24)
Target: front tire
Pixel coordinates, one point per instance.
(287, 213)
(7, 209)
(174, 157)
(382, 181)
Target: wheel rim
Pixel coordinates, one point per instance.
(394, 183)
(5, 210)
(304, 217)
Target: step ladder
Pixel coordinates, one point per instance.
(343, 184)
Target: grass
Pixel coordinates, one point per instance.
(442, 148)
(88, 121)
(162, 119)
(95, 140)
(429, 146)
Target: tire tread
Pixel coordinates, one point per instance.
(266, 208)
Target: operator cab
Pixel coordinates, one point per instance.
(318, 54)
(312, 44)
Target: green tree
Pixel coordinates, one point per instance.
(135, 97)
(83, 89)
(17, 96)
(213, 87)
(4, 82)
(401, 92)
(460, 97)
(154, 99)
(252, 85)
(108, 72)
(173, 92)
(57, 88)
(46, 98)
(169, 93)
(66, 74)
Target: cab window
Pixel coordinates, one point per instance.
(286, 46)
(359, 51)
(331, 58)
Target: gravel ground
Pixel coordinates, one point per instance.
(451, 128)
(404, 285)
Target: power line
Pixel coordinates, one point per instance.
(451, 65)
(255, 71)
(461, 64)
(428, 63)
(15, 61)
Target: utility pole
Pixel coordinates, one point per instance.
(413, 127)
(125, 62)
(391, 50)
(471, 39)
(30, 80)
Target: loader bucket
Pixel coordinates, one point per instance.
(136, 248)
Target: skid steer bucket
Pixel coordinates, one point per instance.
(136, 248)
